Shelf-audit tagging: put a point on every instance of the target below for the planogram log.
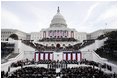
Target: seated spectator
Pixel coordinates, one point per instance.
(84, 72)
(34, 72)
(2, 74)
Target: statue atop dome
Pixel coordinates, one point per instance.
(58, 11)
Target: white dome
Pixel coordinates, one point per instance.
(58, 20)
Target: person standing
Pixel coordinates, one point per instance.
(9, 69)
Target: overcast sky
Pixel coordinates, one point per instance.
(84, 16)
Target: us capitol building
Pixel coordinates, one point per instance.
(56, 43)
(57, 34)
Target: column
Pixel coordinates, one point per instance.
(66, 56)
(48, 56)
(73, 34)
(80, 56)
(76, 57)
(67, 34)
(54, 33)
(49, 33)
(71, 56)
(39, 56)
(63, 32)
(44, 56)
(45, 34)
(35, 56)
(59, 33)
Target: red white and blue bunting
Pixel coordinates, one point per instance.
(72, 56)
(43, 56)
(49, 56)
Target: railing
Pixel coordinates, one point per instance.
(100, 59)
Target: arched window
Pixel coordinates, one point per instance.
(14, 36)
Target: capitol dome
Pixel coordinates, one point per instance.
(58, 20)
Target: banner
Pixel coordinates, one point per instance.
(37, 56)
(69, 56)
(51, 56)
(41, 56)
(64, 56)
(72, 56)
(46, 56)
(78, 55)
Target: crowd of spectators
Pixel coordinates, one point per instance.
(37, 46)
(34, 72)
(53, 61)
(6, 48)
(93, 63)
(75, 47)
(29, 42)
(66, 72)
(84, 61)
(58, 39)
(109, 49)
(70, 61)
(44, 61)
(22, 63)
(85, 72)
(58, 64)
(49, 62)
(61, 64)
(86, 43)
(3, 74)
(40, 47)
(80, 45)
(101, 37)
(74, 72)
